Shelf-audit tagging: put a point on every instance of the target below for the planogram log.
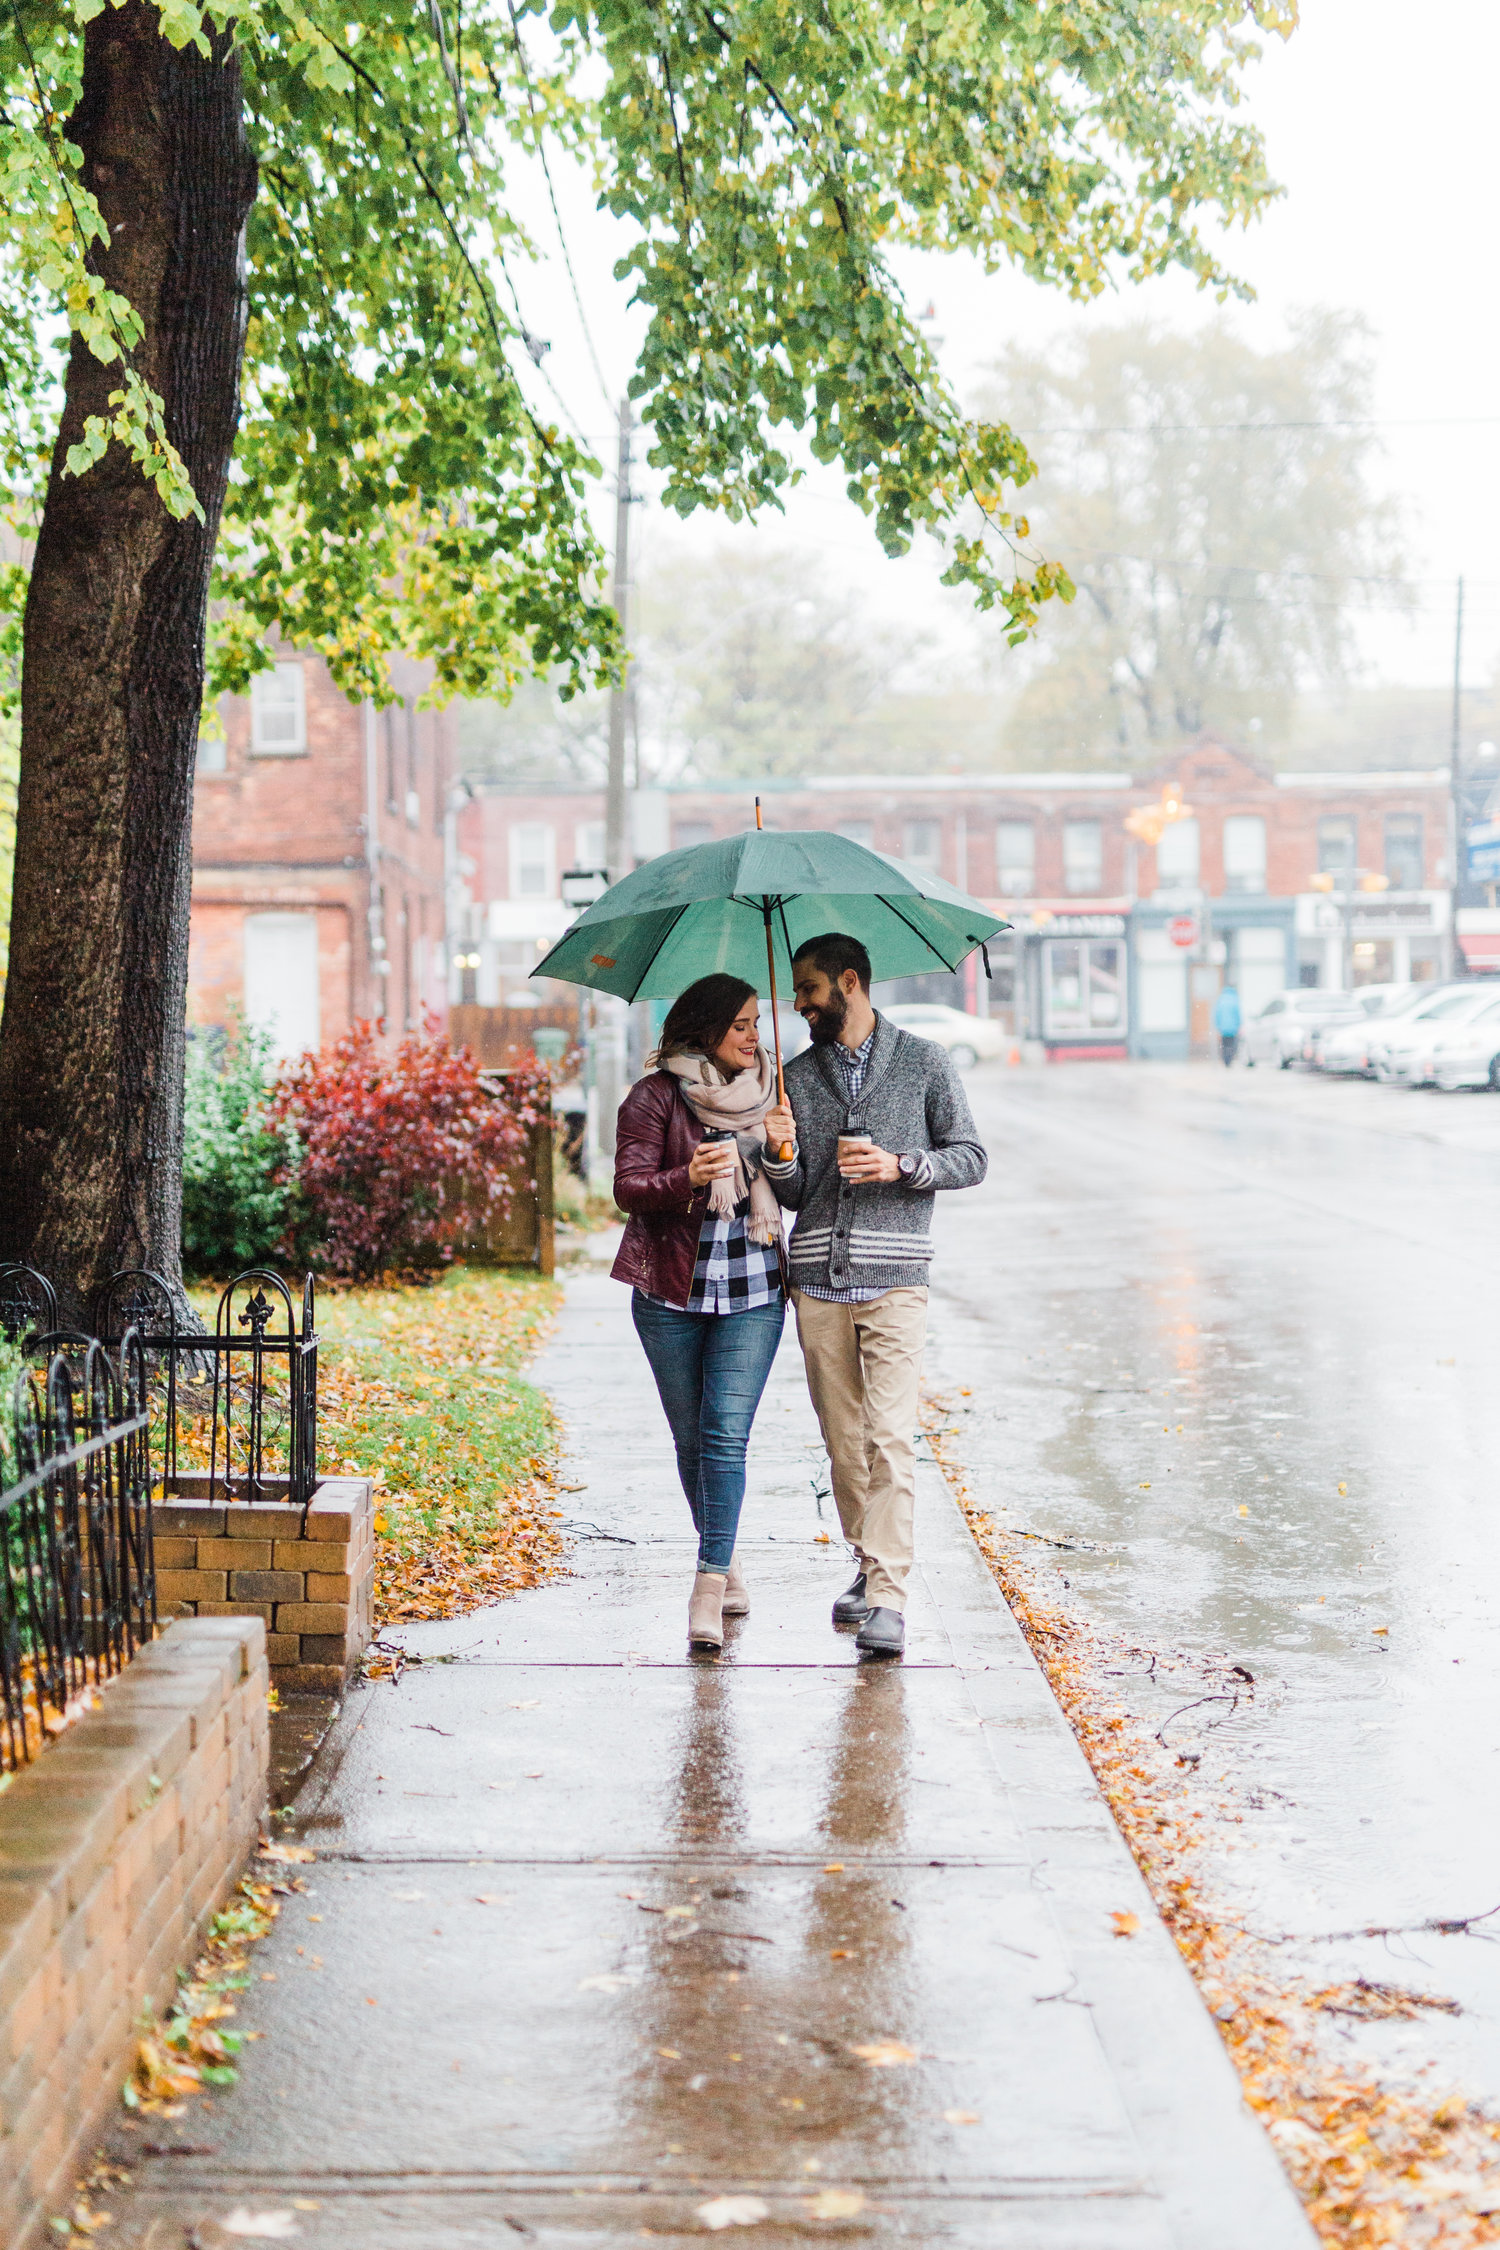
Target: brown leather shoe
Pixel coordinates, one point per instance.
(736, 1592)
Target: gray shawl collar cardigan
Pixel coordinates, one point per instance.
(875, 1236)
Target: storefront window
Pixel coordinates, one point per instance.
(1106, 988)
(1374, 961)
(1065, 1010)
(1084, 986)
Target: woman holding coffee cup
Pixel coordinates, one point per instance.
(703, 1253)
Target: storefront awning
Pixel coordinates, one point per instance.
(1481, 948)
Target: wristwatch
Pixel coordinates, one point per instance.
(910, 1165)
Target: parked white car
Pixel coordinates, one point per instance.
(1277, 1033)
(1469, 1054)
(1346, 1046)
(968, 1039)
(1401, 1051)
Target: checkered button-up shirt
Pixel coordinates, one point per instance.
(732, 1273)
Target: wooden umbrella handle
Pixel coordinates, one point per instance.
(784, 1154)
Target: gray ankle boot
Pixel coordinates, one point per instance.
(736, 1592)
(706, 1610)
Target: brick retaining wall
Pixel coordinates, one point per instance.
(116, 1848)
(312, 1587)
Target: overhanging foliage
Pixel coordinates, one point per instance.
(394, 490)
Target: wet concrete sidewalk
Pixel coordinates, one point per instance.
(606, 1943)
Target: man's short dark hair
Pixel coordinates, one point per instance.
(833, 953)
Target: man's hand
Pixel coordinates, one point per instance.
(781, 1128)
(710, 1161)
(868, 1164)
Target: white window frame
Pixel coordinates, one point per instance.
(1179, 856)
(1080, 828)
(1006, 866)
(930, 861)
(544, 858)
(1243, 824)
(266, 706)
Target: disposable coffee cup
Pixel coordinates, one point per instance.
(849, 1142)
(718, 1134)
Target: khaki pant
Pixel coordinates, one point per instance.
(864, 1370)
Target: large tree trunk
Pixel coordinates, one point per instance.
(91, 1046)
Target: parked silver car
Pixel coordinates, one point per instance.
(1401, 1051)
(1345, 1047)
(1277, 1033)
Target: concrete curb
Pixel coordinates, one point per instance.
(1221, 2183)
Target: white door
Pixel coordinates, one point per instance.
(1162, 983)
(1260, 957)
(281, 980)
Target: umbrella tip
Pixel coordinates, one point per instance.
(757, 812)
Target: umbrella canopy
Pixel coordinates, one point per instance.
(691, 912)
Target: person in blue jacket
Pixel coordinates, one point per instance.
(1227, 1021)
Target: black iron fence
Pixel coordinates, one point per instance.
(77, 1573)
(232, 1414)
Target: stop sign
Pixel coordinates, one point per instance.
(1183, 930)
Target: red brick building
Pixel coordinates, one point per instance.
(322, 836)
(1093, 905)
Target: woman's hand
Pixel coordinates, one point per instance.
(780, 1128)
(710, 1161)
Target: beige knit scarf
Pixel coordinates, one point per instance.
(741, 1104)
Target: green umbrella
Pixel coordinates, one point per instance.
(749, 901)
(756, 897)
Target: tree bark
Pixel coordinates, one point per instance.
(92, 1040)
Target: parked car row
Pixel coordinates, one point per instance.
(968, 1039)
(1445, 1035)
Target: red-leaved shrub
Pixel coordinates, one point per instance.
(406, 1153)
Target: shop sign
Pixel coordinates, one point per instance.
(1079, 925)
(1484, 851)
(1183, 931)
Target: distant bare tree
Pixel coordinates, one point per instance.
(1213, 505)
(759, 664)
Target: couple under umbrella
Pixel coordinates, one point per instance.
(746, 1187)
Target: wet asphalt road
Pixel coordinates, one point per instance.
(1240, 1331)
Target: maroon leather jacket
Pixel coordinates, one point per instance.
(655, 1136)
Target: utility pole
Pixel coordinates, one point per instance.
(609, 1014)
(616, 804)
(1456, 820)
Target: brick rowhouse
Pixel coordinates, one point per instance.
(322, 832)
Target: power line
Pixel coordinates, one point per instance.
(1198, 429)
(562, 240)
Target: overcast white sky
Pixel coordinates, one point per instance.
(1380, 124)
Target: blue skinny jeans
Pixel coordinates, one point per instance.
(710, 1370)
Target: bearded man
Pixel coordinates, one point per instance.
(879, 1124)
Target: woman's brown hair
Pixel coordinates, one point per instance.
(699, 1018)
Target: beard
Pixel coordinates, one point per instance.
(826, 1021)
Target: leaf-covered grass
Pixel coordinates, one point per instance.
(419, 1387)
